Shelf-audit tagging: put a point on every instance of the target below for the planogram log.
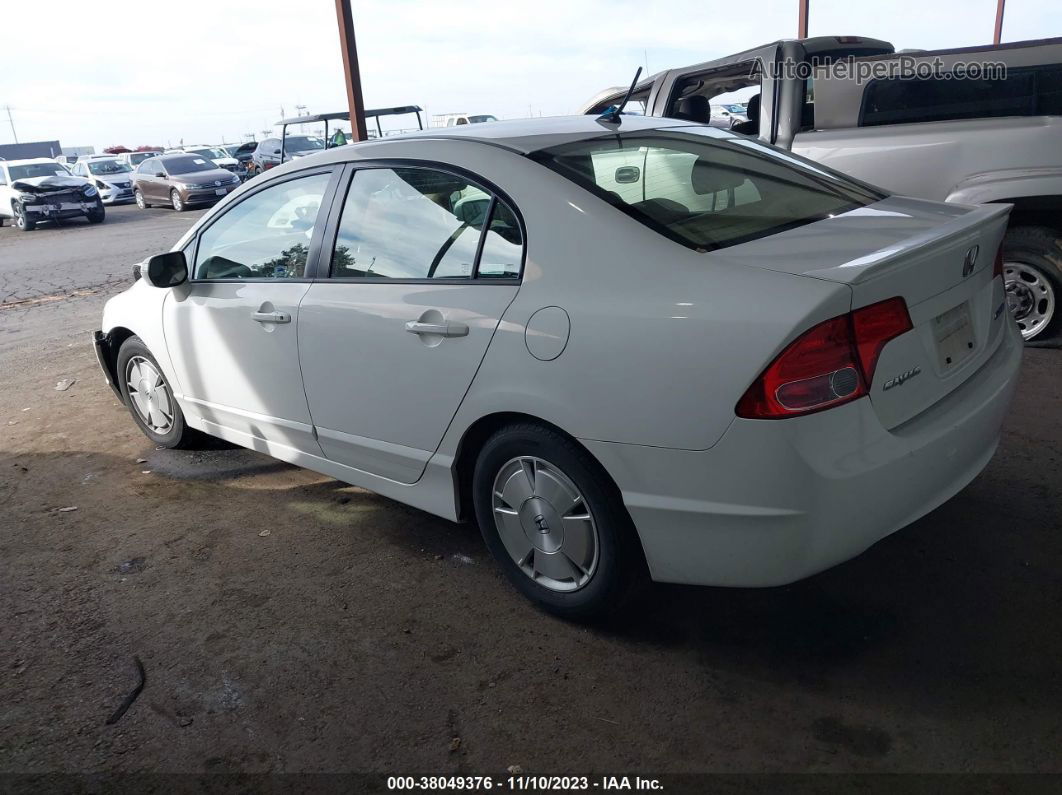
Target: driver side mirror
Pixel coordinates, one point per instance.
(166, 270)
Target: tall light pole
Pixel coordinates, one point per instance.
(802, 19)
(351, 70)
(11, 122)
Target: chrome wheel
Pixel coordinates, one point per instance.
(140, 200)
(1030, 297)
(175, 197)
(20, 216)
(545, 524)
(149, 395)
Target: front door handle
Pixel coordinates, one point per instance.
(439, 329)
(272, 317)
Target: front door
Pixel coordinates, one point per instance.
(232, 330)
(391, 340)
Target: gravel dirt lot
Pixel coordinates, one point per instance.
(289, 623)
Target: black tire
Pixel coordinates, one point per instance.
(179, 434)
(23, 223)
(176, 202)
(139, 196)
(620, 570)
(97, 214)
(1038, 250)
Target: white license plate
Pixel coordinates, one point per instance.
(220, 191)
(954, 334)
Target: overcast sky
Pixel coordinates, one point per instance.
(154, 72)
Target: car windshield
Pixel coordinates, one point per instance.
(301, 143)
(37, 170)
(207, 152)
(99, 168)
(706, 188)
(188, 164)
(481, 119)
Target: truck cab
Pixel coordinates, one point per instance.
(906, 122)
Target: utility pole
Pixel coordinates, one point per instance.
(802, 19)
(11, 122)
(299, 110)
(351, 70)
(998, 34)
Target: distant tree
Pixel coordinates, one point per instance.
(115, 150)
(148, 149)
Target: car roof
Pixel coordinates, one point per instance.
(530, 135)
(29, 161)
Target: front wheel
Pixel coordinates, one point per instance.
(22, 221)
(175, 200)
(139, 196)
(149, 397)
(555, 523)
(97, 214)
(1032, 277)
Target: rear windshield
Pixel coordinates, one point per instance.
(705, 188)
(299, 143)
(188, 164)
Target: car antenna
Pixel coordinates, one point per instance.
(612, 113)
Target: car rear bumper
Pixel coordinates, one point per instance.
(776, 501)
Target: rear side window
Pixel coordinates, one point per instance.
(1033, 91)
(422, 223)
(703, 188)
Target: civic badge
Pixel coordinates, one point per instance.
(970, 261)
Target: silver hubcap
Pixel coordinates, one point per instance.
(176, 200)
(1030, 297)
(545, 524)
(140, 200)
(149, 394)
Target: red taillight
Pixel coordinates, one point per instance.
(997, 266)
(830, 364)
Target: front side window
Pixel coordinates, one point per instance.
(419, 223)
(704, 188)
(265, 236)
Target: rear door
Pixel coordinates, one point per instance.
(391, 338)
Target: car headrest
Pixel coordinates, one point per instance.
(709, 177)
(752, 110)
(695, 108)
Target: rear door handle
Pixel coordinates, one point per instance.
(439, 329)
(272, 317)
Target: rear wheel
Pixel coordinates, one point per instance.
(149, 397)
(555, 523)
(22, 221)
(1032, 275)
(175, 200)
(139, 196)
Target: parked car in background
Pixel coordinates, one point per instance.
(39, 189)
(113, 178)
(759, 368)
(969, 141)
(458, 119)
(219, 157)
(267, 153)
(134, 159)
(181, 180)
(243, 154)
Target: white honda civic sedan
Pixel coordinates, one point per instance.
(645, 350)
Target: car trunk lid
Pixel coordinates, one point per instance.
(938, 258)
